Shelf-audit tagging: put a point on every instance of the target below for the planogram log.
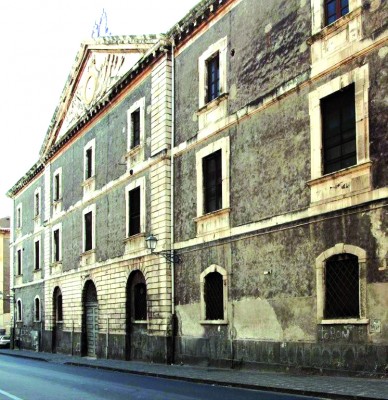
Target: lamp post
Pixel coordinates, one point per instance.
(170, 255)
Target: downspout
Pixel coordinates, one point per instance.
(173, 317)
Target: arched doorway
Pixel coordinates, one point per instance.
(90, 319)
(57, 318)
(136, 315)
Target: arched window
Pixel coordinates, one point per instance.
(137, 297)
(19, 316)
(37, 309)
(214, 295)
(58, 309)
(341, 285)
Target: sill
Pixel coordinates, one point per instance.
(334, 26)
(88, 181)
(212, 214)
(133, 150)
(57, 201)
(36, 270)
(345, 321)
(88, 252)
(214, 103)
(214, 322)
(139, 322)
(134, 237)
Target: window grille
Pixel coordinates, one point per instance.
(213, 77)
(88, 231)
(339, 130)
(342, 287)
(212, 176)
(335, 9)
(214, 296)
(134, 211)
(135, 118)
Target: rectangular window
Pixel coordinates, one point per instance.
(37, 255)
(37, 309)
(37, 204)
(19, 217)
(56, 243)
(88, 220)
(212, 182)
(135, 121)
(19, 262)
(335, 9)
(57, 186)
(339, 130)
(134, 211)
(89, 163)
(213, 77)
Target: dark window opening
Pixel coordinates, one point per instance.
(56, 245)
(56, 188)
(18, 218)
(19, 262)
(88, 231)
(339, 130)
(214, 296)
(213, 77)
(37, 204)
(135, 121)
(140, 302)
(19, 310)
(335, 9)
(37, 254)
(342, 287)
(134, 211)
(212, 182)
(37, 309)
(89, 163)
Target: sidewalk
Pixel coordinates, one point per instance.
(331, 387)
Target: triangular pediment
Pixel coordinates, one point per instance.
(98, 67)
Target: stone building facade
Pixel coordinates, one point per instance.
(251, 141)
(5, 301)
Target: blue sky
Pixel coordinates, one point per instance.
(40, 40)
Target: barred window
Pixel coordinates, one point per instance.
(214, 296)
(342, 287)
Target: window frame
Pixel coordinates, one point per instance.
(39, 309)
(19, 216)
(220, 47)
(223, 273)
(338, 11)
(90, 146)
(223, 145)
(57, 185)
(137, 183)
(37, 203)
(39, 259)
(360, 78)
(19, 261)
(90, 209)
(320, 265)
(212, 182)
(57, 227)
(138, 105)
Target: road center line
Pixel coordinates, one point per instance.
(9, 395)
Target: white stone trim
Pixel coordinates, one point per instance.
(40, 309)
(223, 273)
(360, 78)
(139, 182)
(90, 145)
(223, 145)
(53, 229)
(320, 264)
(318, 13)
(139, 104)
(91, 208)
(221, 46)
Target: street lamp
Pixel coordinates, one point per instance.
(170, 255)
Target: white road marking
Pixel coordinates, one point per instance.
(9, 395)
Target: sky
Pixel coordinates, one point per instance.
(40, 39)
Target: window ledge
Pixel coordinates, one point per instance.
(345, 321)
(334, 26)
(213, 104)
(135, 243)
(134, 237)
(88, 181)
(214, 322)
(212, 214)
(88, 252)
(58, 201)
(139, 322)
(134, 150)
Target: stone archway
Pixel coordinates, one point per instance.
(90, 319)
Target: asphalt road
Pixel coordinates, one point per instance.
(22, 379)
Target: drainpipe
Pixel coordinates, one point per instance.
(173, 319)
